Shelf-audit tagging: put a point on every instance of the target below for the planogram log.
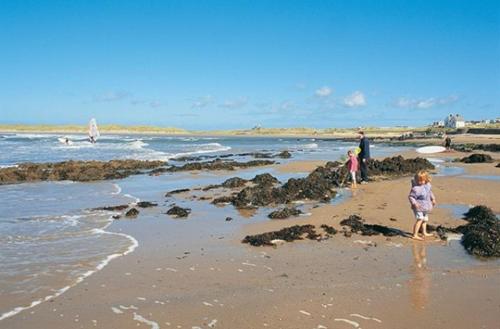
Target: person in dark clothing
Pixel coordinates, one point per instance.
(447, 142)
(364, 156)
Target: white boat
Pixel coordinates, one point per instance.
(431, 149)
(93, 131)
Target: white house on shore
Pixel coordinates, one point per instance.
(454, 121)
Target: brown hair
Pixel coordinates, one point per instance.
(423, 175)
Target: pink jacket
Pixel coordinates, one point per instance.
(353, 163)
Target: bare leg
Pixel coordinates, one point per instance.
(424, 229)
(416, 228)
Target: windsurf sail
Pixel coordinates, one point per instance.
(93, 131)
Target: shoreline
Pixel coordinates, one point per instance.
(220, 267)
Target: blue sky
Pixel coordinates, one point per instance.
(235, 64)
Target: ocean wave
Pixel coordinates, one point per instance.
(133, 245)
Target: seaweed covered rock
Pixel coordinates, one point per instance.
(218, 164)
(132, 213)
(472, 147)
(223, 199)
(288, 234)
(234, 182)
(397, 166)
(477, 158)
(265, 179)
(357, 225)
(113, 208)
(481, 236)
(179, 211)
(79, 171)
(146, 204)
(284, 213)
(284, 155)
(329, 229)
(182, 190)
(257, 196)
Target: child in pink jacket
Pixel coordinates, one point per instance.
(352, 165)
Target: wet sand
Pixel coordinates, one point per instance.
(195, 273)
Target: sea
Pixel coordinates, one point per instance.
(51, 236)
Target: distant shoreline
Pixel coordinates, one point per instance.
(169, 131)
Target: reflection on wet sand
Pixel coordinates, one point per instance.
(420, 284)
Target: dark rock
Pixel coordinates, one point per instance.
(284, 155)
(479, 214)
(223, 199)
(80, 171)
(113, 208)
(398, 166)
(329, 229)
(477, 158)
(219, 165)
(357, 225)
(228, 219)
(234, 182)
(481, 236)
(471, 147)
(178, 211)
(146, 204)
(288, 234)
(284, 213)
(132, 213)
(182, 190)
(265, 179)
(116, 216)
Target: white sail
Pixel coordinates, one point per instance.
(93, 131)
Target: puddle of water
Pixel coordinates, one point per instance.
(458, 210)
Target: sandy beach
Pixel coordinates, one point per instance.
(196, 273)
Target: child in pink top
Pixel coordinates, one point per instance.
(352, 165)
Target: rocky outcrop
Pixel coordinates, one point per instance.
(477, 158)
(320, 184)
(217, 165)
(398, 166)
(79, 171)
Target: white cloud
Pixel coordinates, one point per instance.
(424, 103)
(111, 96)
(324, 91)
(202, 101)
(356, 99)
(235, 103)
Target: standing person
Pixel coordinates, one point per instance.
(352, 165)
(364, 156)
(422, 201)
(447, 142)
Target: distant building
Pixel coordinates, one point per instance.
(454, 121)
(438, 124)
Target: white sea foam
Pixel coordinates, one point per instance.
(140, 318)
(310, 146)
(101, 265)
